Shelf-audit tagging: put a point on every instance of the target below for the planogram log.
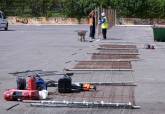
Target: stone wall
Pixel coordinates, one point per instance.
(138, 21)
(43, 20)
(59, 20)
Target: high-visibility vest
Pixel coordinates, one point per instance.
(105, 25)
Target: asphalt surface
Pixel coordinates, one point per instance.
(57, 47)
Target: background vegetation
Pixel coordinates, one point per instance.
(80, 8)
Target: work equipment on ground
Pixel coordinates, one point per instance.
(65, 85)
(37, 87)
(40, 83)
(21, 93)
(149, 46)
(35, 84)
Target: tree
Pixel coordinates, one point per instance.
(81, 8)
(74, 8)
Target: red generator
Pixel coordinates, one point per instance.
(31, 93)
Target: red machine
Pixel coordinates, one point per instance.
(31, 93)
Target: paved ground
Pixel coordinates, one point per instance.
(57, 47)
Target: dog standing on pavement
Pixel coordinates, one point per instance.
(81, 34)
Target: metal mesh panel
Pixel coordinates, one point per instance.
(117, 46)
(103, 76)
(118, 51)
(113, 56)
(114, 94)
(103, 65)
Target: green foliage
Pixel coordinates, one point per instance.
(140, 8)
(35, 8)
(81, 8)
(78, 8)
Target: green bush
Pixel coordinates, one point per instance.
(81, 8)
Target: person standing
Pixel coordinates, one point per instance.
(92, 24)
(104, 25)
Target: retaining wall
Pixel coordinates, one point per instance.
(43, 20)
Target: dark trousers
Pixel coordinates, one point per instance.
(104, 32)
(92, 32)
